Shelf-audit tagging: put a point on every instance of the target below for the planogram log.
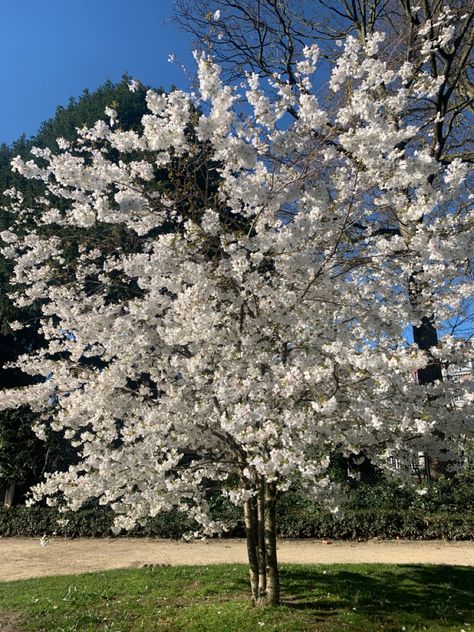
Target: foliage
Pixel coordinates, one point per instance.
(94, 522)
(17, 466)
(212, 599)
(382, 511)
(83, 111)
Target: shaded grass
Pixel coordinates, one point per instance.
(332, 598)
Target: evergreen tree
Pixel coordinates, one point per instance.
(24, 458)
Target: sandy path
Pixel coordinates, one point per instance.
(22, 558)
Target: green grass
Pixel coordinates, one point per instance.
(336, 598)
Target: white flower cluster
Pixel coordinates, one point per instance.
(266, 330)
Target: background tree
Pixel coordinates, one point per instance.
(267, 37)
(23, 457)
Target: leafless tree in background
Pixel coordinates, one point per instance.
(267, 37)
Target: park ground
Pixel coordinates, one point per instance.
(25, 558)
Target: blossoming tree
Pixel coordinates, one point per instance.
(257, 328)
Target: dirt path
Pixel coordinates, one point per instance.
(22, 558)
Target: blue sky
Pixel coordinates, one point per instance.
(51, 50)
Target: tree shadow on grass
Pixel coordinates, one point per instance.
(420, 593)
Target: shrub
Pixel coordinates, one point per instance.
(93, 522)
(299, 520)
(378, 509)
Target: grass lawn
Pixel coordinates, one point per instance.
(334, 598)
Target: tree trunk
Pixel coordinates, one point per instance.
(9, 496)
(426, 337)
(273, 578)
(260, 528)
(261, 550)
(250, 517)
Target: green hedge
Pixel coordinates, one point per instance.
(297, 519)
(361, 525)
(382, 509)
(96, 522)
(379, 512)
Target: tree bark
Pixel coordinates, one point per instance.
(9, 496)
(260, 528)
(272, 574)
(261, 550)
(426, 337)
(250, 517)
